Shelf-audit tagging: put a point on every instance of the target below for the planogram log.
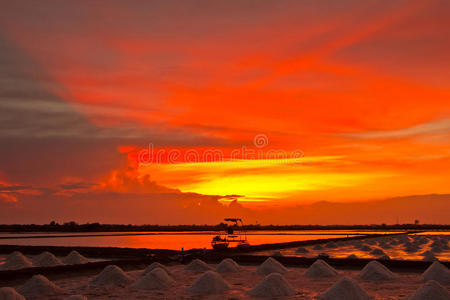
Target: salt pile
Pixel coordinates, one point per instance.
(445, 246)
(385, 245)
(46, 259)
(411, 247)
(365, 248)
(345, 289)
(156, 279)
(227, 266)
(111, 276)
(331, 245)
(318, 247)
(377, 252)
(384, 257)
(352, 256)
(197, 265)
(356, 243)
(273, 285)
(421, 241)
(371, 242)
(376, 272)
(39, 286)
(320, 269)
(76, 297)
(208, 284)
(7, 293)
(436, 248)
(431, 290)
(441, 244)
(301, 250)
(429, 256)
(323, 255)
(15, 261)
(437, 272)
(271, 265)
(395, 242)
(154, 266)
(277, 253)
(403, 239)
(75, 258)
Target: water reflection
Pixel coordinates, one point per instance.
(414, 247)
(163, 240)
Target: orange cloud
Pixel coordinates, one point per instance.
(361, 89)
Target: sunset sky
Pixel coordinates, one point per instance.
(187, 111)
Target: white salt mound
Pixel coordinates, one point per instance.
(352, 256)
(273, 285)
(157, 279)
(8, 293)
(227, 266)
(385, 245)
(411, 247)
(384, 257)
(320, 269)
(46, 259)
(356, 243)
(301, 250)
(428, 256)
(436, 249)
(271, 265)
(13, 254)
(365, 248)
(39, 286)
(111, 276)
(437, 272)
(345, 289)
(371, 242)
(209, 283)
(277, 253)
(197, 265)
(318, 247)
(15, 261)
(377, 252)
(154, 266)
(376, 271)
(431, 290)
(331, 245)
(323, 255)
(75, 258)
(76, 297)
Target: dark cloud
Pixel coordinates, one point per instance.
(75, 185)
(44, 138)
(173, 207)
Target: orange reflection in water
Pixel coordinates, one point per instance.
(398, 251)
(174, 241)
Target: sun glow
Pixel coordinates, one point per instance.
(257, 180)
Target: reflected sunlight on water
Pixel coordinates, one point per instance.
(166, 240)
(413, 247)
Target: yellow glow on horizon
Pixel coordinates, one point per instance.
(273, 185)
(257, 180)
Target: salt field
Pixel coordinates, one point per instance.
(402, 247)
(166, 240)
(182, 282)
(268, 279)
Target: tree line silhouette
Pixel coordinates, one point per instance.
(98, 227)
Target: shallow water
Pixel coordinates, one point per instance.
(346, 248)
(167, 240)
(241, 282)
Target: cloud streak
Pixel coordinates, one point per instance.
(438, 127)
